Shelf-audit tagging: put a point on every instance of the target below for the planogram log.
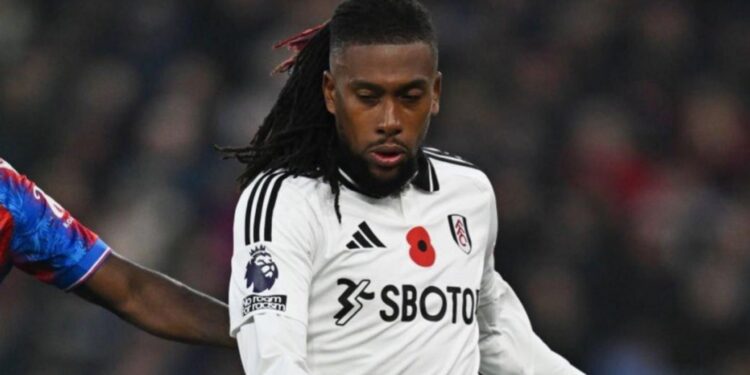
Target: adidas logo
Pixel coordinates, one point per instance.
(364, 238)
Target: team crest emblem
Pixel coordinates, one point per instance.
(460, 232)
(261, 272)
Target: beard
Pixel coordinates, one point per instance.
(357, 167)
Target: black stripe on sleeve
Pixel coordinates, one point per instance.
(361, 239)
(271, 205)
(352, 245)
(249, 209)
(259, 207)
(371, 236)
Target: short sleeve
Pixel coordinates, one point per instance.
(45, 240)
(274, 237)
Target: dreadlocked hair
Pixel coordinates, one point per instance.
(299, 134)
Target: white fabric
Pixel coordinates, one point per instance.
(359, 309)
(272, 345)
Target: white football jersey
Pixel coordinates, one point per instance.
(394, 288)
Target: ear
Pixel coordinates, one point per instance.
(436, 87)
(329, 88)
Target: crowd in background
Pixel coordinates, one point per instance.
(616, 134)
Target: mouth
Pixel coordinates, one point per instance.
(387, 155)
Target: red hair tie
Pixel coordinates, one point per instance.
(296, 44)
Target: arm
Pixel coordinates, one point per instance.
(157, 304)
(273, 345)
(271, 276)
(48, 243)
(507, 343)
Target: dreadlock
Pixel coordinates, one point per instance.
(299, 134)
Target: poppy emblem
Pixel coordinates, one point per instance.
(420, 247)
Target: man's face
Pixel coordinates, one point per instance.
(382, 96)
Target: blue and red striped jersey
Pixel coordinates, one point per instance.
(40, 237)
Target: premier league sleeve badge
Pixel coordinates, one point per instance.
(261, 271)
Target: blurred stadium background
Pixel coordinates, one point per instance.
(616, 133)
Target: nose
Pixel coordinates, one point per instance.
(391, 123)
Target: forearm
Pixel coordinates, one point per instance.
(172, 310)
(158, 304)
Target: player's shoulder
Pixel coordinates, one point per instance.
(6, 170)
(12, 183)
(451, 167)
(272, 196)
(279, 181)
(5, 165)
(279, 187)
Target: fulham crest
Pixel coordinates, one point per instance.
(460, 232)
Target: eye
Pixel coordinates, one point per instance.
(366, 96)
(412, 96)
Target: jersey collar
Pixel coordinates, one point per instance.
(425, 178)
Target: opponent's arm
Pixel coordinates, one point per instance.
(157, 304)
(55, 248)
